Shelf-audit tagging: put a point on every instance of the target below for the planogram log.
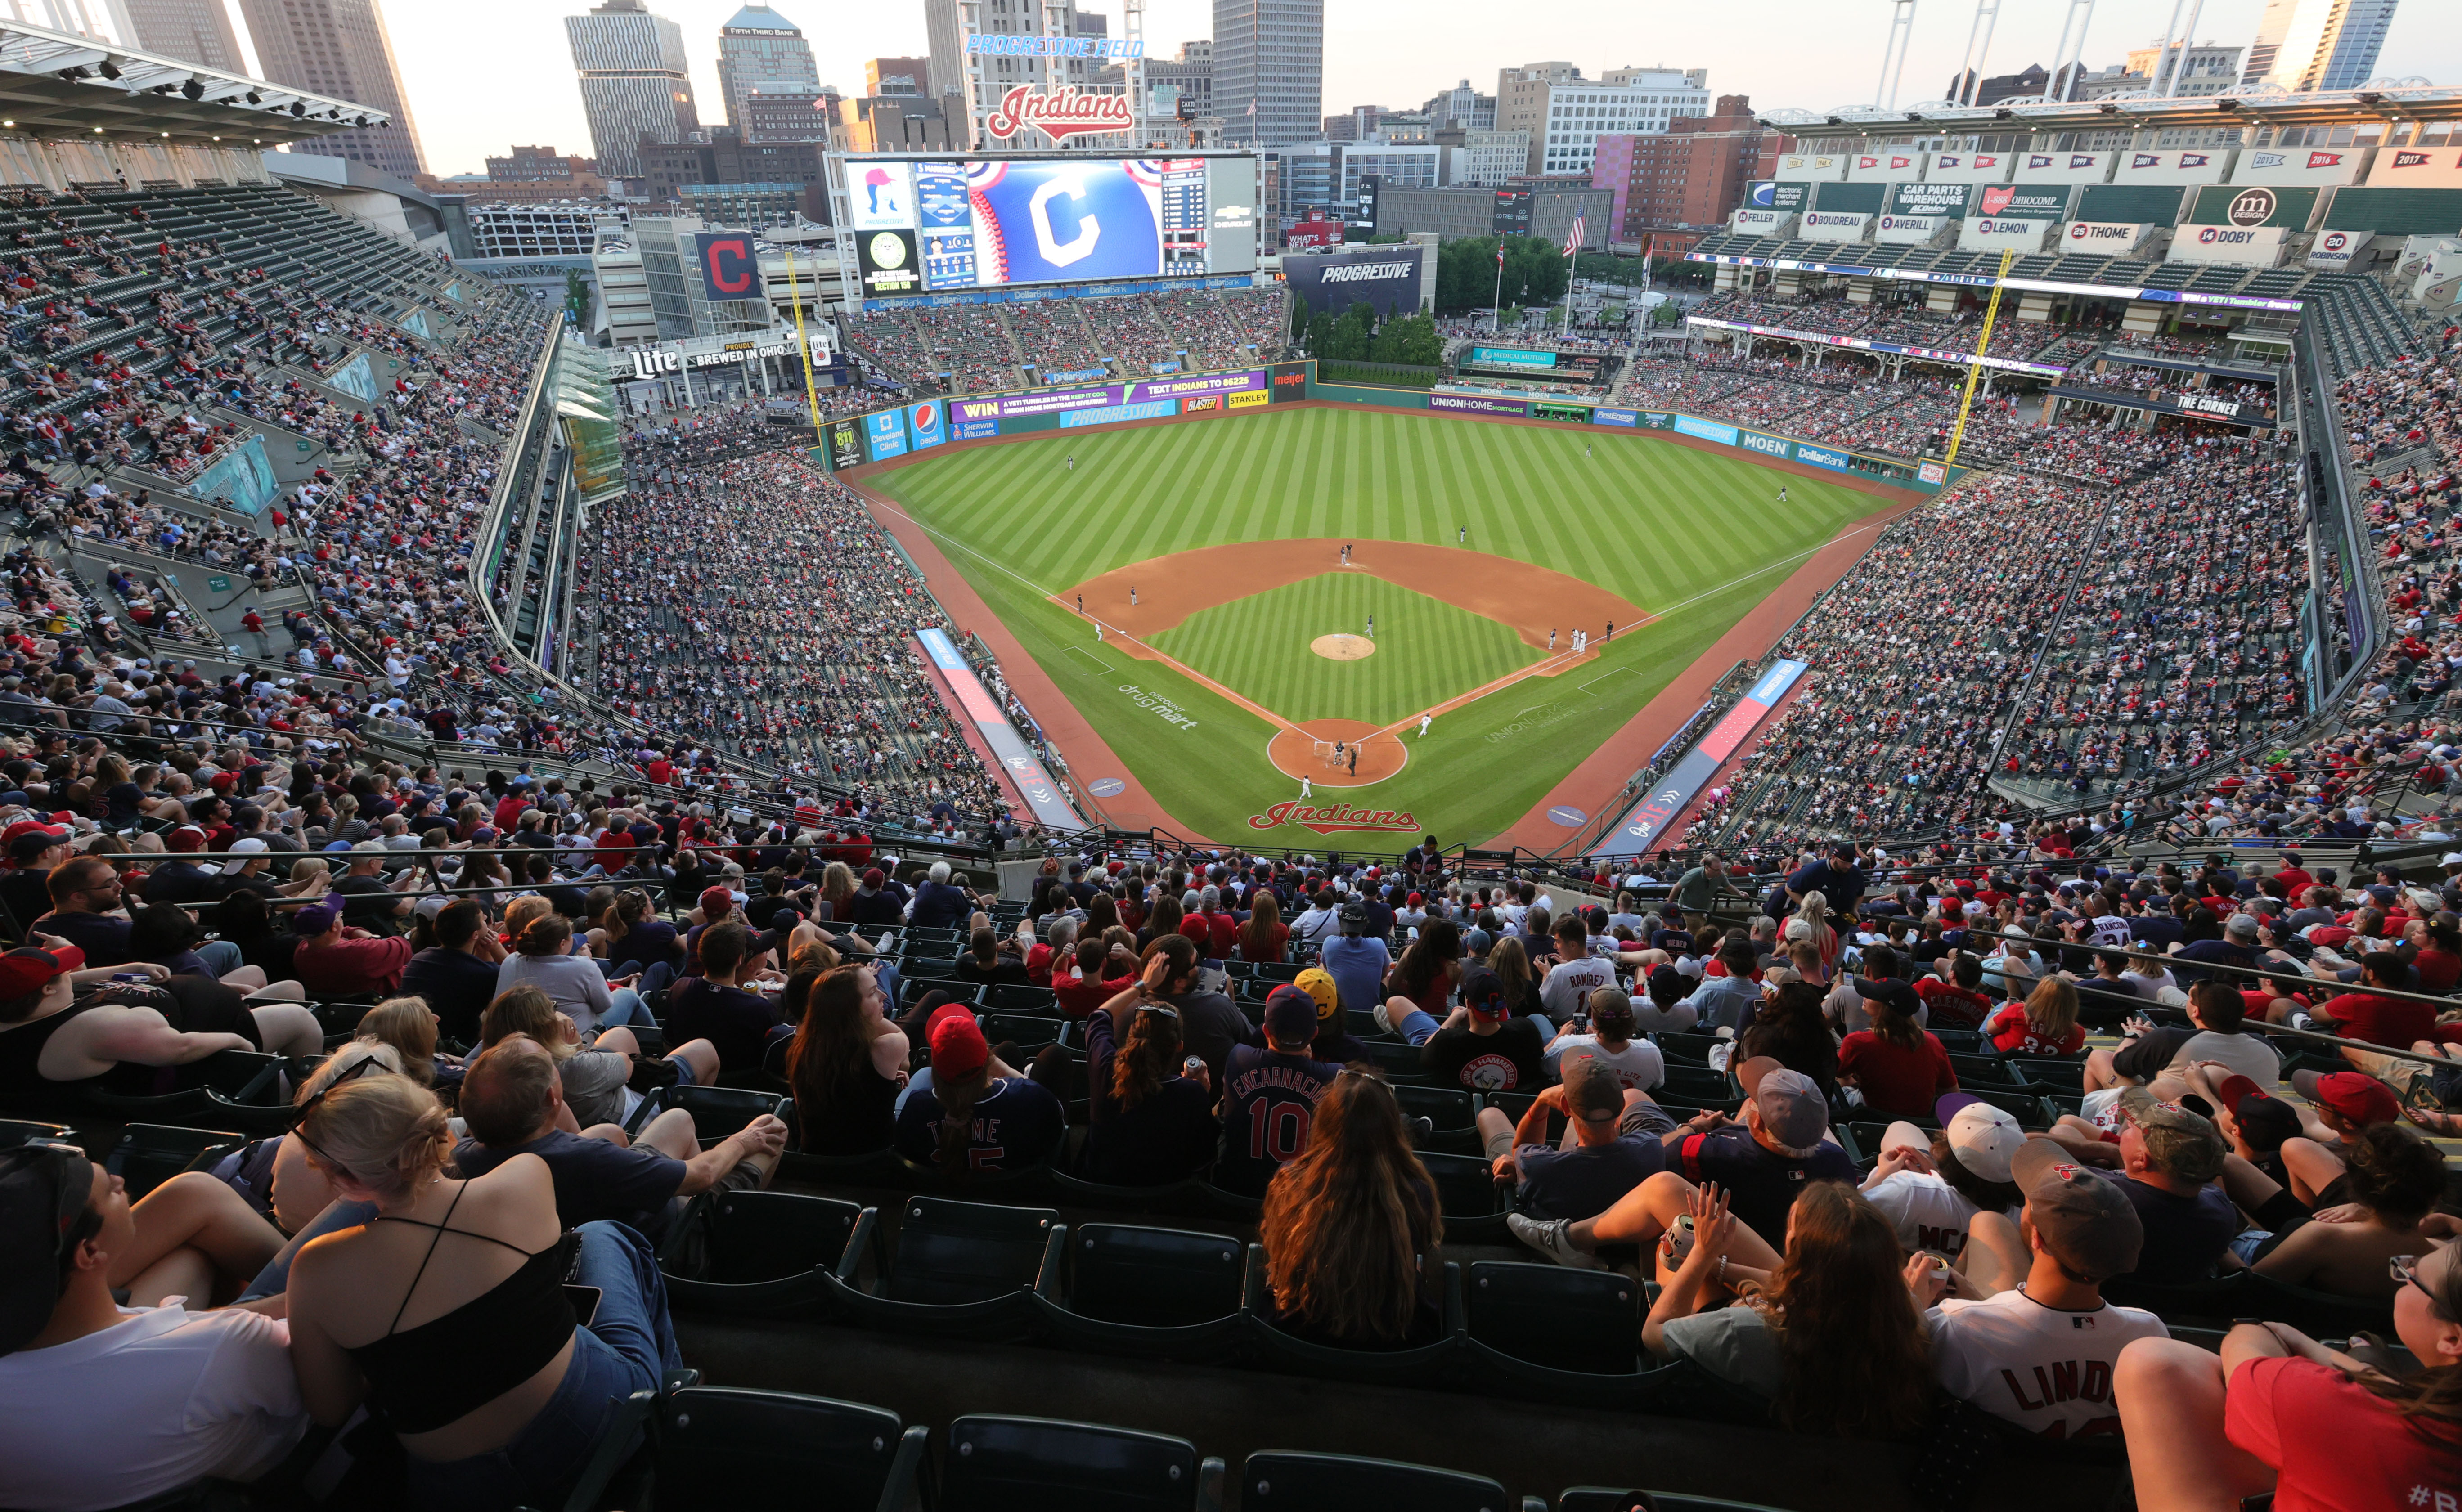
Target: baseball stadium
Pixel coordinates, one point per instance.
(1041, 826)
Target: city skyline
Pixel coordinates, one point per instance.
(472, 101)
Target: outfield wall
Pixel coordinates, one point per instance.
(905, 430)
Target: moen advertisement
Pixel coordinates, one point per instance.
(846, 445)
(1386, 280)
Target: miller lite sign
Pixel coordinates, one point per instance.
(1059, 113)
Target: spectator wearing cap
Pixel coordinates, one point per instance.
(88, 912)
(2236, 948)
(1150, 1120)
(1897, 1067)
(970, 1119)
(182, 880)
(1615, 1139)
(106, 1404)
(1270, 1093)
(1357, 962)
(2169, 1160)
(2343, 1105)
(33, 848)
(2277, 1413)
(2028, 1336)
(49, 1036)
(334, 961)
(1931, 1186)
(1481, 1046)
(1664, 1006)
(1605, 1030)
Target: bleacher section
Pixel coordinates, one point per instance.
(968, 349)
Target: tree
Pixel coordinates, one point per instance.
(1466, 274)
(576, 298)
(1410, 341)
(1299, 320)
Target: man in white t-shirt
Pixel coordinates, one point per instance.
(102, 1405)
(2036, 1348)
(1634, 1063)
(1929, 1200)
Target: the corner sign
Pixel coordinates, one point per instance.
(1059, 113)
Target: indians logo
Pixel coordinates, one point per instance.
(1059, 113)
(1334, 818)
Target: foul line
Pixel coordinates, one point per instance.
(1558, 661)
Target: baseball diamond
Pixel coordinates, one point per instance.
(1463, 549)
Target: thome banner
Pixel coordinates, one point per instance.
(1386, 279)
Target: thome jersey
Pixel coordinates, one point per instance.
(985, 224)
(1268, 1101)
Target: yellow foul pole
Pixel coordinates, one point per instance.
(1982, 344)
(804, 346)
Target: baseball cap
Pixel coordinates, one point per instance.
(9, 836)
(2241, 926)
(1794, 1113)
(2183, 1145)
(184, 839)
(1475, 941)
(240, 849)
(1610, 1005)
(44, 1189)
(1899, 995)
(432, 905)
(1984, 1140)
(1290, 1013)
(1318, 984)
(28, 968)
(315, 920)
(1484, 993)
(1591, 1091)
(1354, 916)
(2356, 1096)
(2087, 1222)
(715, 901)
(872, 877)
(958, 1047)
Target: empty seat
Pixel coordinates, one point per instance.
(1473, 1204)
(958, 1267)
(717, 1111)
(1028, 1464)
(1278, 1480)
(234, 1090)
(769, 1253)
(1153, 1291)
(719, 1448)
(1452, 1112)
(1587, 1321)
(146, 1155)
(1009, 996)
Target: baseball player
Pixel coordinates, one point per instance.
(1425, 719)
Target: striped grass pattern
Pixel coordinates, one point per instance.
(1426, 650)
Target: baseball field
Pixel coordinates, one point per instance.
(1184, 588)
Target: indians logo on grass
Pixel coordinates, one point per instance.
(1334, 818)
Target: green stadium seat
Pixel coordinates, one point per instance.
(766, 1254)
(1416, 1366)
(14, 1131)
(721, 1449)
(2066, 1077)
(1157, 1292)
(1009, 996)
(717, 1111)
(914, 985)
(1473, 1204)
(1453, 1112)
(146, 1155)
(1041, 1464)
(962, 1269)
(1399, 1061)
(1277, 1480)
(235, 1090)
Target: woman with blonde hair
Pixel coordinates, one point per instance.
(311, 877)
(1811, 922)
(409, 1026)
(448, 1315)
(1352, 1226)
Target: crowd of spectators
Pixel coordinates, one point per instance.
(968, 349)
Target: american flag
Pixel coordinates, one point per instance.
(1573, 242)
(1500, 254)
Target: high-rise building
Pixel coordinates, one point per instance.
(789, 117)
(1191, 75)
(2307, 45)
(2204, 68)
(1462, 108)
(948, 72)
(1566, 114)
(192, 30)
(761, 53)
(1487, 158)
(338, 48)
(633, 82)
(1269, 70)
(897, 75)
(1677, 184)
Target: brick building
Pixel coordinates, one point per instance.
(1679, 185)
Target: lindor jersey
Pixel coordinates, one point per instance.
(2046, 1371)
(1027, 223)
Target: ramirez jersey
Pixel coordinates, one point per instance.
(1268, 1100)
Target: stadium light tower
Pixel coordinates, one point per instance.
(2072, 48)
(2188, 40)
(1978, 43)
(1893, 56)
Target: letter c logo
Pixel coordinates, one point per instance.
(1076, 248)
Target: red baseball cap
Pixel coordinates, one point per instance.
(958, 1047)
(184, 839)
(9, 836)
(715, 901)
(2361, 1098)
(28, 969)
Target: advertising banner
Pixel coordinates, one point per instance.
(1647, 822)
(1862, 344)
(1910, 231)
(1387, 280)
(1076, 376)
(1511, 357)
(1766, 445)
(2418, 168)
(1886, 166)
(1776, 194)
(886, 432)
(1658, 419)
(2110, 237)
(2064, 167)
(2256, 247)
(1626, 418)
(923, 426)
(728, 269)
(1943, 200)
(1470, 404)
(2249, 206)
(846, 445)
(1290, 380)
(886, 264)
(1042, 401)
(2024, 202)
(1749, 221)
(1511, 216)
(1203, 383)
(1970, 167)
(2320, 166)
(1248, 401)
(1033, 783)
(1828, 225)
(1705, 430)
(2335, 250)
(2197, 165)
(1829, 456)
(1031, 292)
(1984, 233)
(975, 429)
(1810, 165)
(1116, 414)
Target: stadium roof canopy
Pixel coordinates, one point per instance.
(56, 85)
(2385, 100)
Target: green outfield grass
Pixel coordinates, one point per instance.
(1426, 651)
(1694, 538)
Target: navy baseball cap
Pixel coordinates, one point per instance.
(45, 1190)
(1484, 993)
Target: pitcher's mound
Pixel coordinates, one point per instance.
(1343, 648)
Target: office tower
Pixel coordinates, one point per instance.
(338, 48)
(761, 53)
(634, 83)
(944, 30)
(192, 30)
(1269, 70)
(2307, 45)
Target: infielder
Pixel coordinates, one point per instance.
(1425, 719)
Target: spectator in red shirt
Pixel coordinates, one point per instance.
(1084, 989)
(1214, 931)
(1899, 1067)
(2377, 1020)
(1959, 1004)
(2046, 1025)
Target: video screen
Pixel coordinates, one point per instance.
(992, 221)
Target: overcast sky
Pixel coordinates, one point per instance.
(484, 74)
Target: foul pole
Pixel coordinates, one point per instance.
(803, 343)
(1982, 344)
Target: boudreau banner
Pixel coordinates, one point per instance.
(1384, 278)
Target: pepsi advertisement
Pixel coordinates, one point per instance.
(996, 222)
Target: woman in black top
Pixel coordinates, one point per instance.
(1792, 1030)
(847, 1062)
(1152, 1119)
(1163, 919)
(1352, 1226)
(986, 964)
